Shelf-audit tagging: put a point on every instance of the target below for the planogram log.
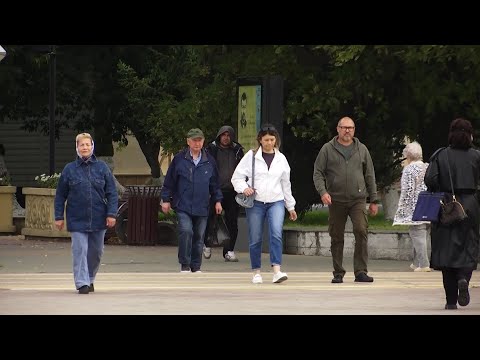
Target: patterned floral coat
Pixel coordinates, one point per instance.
(411, 184)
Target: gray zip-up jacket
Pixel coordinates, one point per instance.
(345, 180)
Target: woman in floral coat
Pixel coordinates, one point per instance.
(411, 185)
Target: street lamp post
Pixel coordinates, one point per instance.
(3, 53)
(52, 100)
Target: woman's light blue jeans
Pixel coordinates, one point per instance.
(275, 214)
(87, 251)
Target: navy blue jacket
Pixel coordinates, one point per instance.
(89, 189)
(188, 187)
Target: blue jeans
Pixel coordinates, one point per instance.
(87, 251)
(191, 231)
(275, 214)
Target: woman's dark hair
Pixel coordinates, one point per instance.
(460, 135)
(269, 129)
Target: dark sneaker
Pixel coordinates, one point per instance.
(91, 288)
(337, 279)
(196, 271)
(463, 294)
(83, 290)
(185, 268)
(450, 306)
(362, 277)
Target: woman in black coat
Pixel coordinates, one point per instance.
(455, 248)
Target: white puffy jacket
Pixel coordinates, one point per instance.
(271, 184)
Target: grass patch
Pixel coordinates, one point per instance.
(318, 218)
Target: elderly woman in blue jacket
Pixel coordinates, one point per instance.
(88, 187)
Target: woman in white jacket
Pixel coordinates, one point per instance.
(411, 184)
(273, 194)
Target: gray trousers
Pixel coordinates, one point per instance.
(420, 235)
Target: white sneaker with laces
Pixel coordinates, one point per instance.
(279, 277)
(230, 256)
(207, 252)
(424, 269)
(257, 279)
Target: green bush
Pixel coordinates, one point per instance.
(170, 217)
(5, 180)
(48, 181)
(317, 218)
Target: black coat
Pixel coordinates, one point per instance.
(456, 246)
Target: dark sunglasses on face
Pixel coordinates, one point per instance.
(350, 128)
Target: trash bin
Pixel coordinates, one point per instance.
(143, 206)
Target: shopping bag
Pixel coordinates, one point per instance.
(428, 206)
(218, 233)
(222, 233)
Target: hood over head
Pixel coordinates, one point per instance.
(224, 129)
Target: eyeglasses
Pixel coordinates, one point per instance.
(349, 128)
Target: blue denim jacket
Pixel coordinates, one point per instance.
(188, 187)
(89, 189)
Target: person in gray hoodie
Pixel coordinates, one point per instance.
(344, 176)
(227, 153)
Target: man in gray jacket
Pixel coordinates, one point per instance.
(344, 175)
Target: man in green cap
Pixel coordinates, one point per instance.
(191, 180)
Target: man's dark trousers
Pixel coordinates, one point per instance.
(231, 210)
(337, 219)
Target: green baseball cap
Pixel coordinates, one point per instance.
(195, 133)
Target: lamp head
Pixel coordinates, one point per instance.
(3, 53)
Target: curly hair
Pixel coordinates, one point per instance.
(413, 151)
(461, 134)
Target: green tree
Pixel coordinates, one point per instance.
(159, 92)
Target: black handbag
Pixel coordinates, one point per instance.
(451, 212)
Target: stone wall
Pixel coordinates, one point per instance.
(382, 245)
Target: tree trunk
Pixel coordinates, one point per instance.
(389, 197)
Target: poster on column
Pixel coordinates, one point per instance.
(249, 115)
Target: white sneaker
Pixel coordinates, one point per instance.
(279, 277)
(207, 252)
(257, 279)
(413, 267)
(230, 256)
(424, 269)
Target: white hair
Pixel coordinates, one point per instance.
(413, 151)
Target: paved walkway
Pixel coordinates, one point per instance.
(35, 278)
